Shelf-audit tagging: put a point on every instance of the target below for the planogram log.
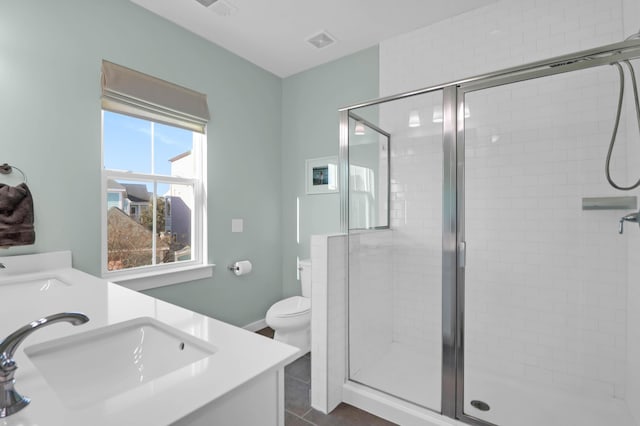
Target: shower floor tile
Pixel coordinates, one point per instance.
(544, 404)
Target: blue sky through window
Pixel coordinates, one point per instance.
(127, 145)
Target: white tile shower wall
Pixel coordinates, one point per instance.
(503, 34)
(633, 320)
(631, 14)
(370, 292)
(545, 280)
(550, 279)
(416, 221)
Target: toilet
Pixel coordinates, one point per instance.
(291, 317)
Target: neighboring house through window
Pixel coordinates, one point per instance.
(116, 196)
(154, 172)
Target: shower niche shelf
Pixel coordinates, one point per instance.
(609, 203)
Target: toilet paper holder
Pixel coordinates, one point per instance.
(241, 267)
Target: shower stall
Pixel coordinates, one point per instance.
(487, 278)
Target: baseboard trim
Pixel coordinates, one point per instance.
(255, 326)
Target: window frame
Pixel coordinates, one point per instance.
(159, 275)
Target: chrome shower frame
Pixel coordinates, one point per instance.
(453, 237)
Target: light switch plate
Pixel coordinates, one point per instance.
(237, 225)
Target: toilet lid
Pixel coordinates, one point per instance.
(292, 306)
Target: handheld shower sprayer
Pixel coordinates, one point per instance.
(617, 120)
(632, 74)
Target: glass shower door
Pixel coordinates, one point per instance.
(395, 248)
(545, 280)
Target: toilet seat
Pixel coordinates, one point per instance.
(291, 318)
(291, 307)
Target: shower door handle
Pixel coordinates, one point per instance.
(462, 254)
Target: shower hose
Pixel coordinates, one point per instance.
(617, 122)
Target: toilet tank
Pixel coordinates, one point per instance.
(305, 277)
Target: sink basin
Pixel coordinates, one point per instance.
(93, 366)
(39, 285)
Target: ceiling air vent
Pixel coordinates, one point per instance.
(221, 7)
(321, 40)
(206, 3)
(224, 8)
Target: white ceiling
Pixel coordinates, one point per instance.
(272, 34)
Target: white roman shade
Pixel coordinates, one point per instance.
(133, 93)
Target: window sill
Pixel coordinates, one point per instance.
(155, 279)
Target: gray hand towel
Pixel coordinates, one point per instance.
(16, 216)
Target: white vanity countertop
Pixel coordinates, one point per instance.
(240, 356)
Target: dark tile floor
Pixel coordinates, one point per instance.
(298, 411)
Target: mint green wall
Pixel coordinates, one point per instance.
(50, 56)
(310, 102)
(262, 130)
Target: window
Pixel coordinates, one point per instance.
(362, 197)
(150, 162)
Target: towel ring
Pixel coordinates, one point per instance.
(5, 169)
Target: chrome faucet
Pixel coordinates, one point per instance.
(10, 400)
(633, 217)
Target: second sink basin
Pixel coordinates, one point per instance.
(93, 366)
(34, 285)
